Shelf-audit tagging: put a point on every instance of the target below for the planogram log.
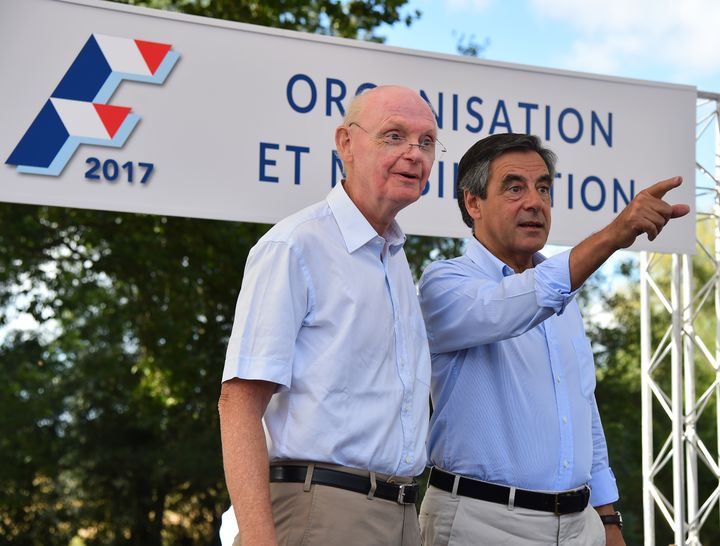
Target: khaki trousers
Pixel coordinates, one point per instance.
(447, 520)
(321, 515)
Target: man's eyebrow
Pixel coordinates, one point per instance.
(546, 178)
(391, 127)
(512, 177)
(396, 124)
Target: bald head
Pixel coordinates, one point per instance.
(386, 168)
(376, 96)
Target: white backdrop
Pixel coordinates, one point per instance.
(242, 128)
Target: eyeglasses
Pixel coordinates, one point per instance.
(397, 141)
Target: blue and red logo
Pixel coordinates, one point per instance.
(78, 112)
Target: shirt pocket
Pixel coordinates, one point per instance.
(586, 365)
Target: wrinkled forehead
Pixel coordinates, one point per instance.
(520, 164)
(403, 108)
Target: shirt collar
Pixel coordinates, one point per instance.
(480, 255)
(354, 227)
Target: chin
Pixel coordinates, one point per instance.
(408, 196)
(535, 248)
(531, 247)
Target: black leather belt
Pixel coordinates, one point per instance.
(400, 493)
(559, 503)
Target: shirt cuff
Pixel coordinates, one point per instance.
(262, 369)
(603, 489)
(552, 282)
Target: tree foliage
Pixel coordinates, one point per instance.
(344, 18)
(469, 46)
(116, 413)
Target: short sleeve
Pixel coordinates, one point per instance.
(274, 300)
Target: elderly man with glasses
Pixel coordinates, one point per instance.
(329, 353)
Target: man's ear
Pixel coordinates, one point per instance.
(472, 205)
(343, 143)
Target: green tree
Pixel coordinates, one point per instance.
(469, 46)
(345, 18)
(124, 398)
(617, 357)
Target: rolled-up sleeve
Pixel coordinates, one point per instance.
(463, 310)
(602, 480)
(552, 282)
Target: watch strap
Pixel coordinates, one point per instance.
(612, 519)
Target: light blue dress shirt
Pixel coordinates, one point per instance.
(513, 376)
(328, 310)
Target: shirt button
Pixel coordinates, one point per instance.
(565, 420)
(558, 380)
(408, 459)
(565, 464)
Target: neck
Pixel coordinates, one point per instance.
(376, 215)
(517, 263)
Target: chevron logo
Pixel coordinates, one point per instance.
(78, 112)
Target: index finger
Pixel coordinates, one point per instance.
(659, 189)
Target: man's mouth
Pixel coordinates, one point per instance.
(410, 177)
(532, 225)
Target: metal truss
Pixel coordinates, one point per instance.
(681, 363)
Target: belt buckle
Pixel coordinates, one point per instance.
(401, 493)
(583, 493)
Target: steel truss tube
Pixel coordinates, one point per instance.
(717, 275)
(686, 514)
(693, 538)
(676, 387)
(646, 405)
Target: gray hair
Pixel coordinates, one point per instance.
(474, 168)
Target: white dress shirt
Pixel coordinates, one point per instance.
(328, 310)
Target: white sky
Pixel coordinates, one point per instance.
(663, 40)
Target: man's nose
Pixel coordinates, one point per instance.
(534, 200)
(414, 152)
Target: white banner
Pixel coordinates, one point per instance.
(112, 107)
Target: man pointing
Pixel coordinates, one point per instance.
(516, 442)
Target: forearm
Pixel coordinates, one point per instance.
(589, 255)
(605, 509)
(462, 310)
(245, 458)
(613, 533)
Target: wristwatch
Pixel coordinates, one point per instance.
(613, 519)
